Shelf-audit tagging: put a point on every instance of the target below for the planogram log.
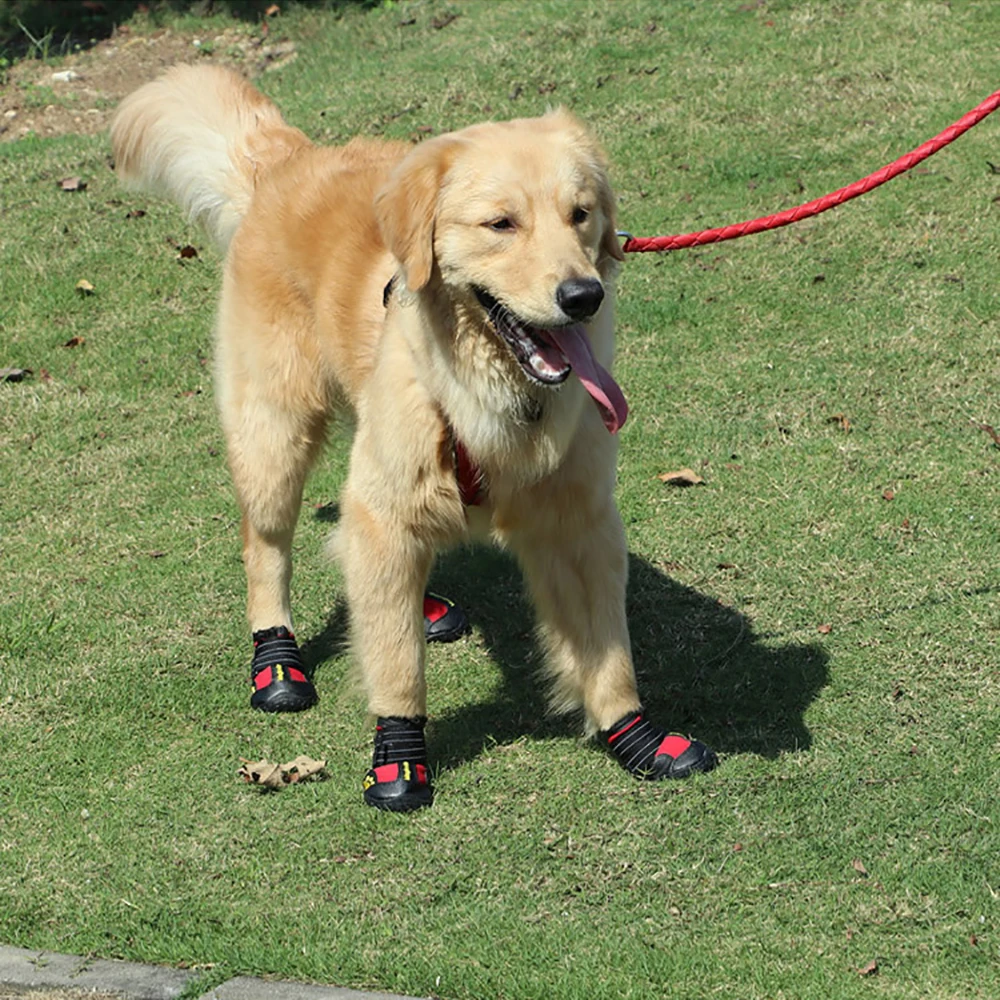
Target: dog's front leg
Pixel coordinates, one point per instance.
(576, 564)
(576, 568)
(385, 569)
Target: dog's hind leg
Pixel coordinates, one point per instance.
(270, 512)
(273, 404)
(270, 453)
(274, 416)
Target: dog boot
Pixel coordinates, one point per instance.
(444, 620)
(276, 674)
(399, 780)
(652, 754)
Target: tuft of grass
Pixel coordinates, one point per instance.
(37, 48)
(824, 610)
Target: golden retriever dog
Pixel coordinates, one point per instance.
(456, 299)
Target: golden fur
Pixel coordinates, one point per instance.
(313, 236)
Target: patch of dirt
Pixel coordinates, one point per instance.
(79, 95)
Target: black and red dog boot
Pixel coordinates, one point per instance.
(444, 620)
(277, 675)
(652, 754)
(399, 780)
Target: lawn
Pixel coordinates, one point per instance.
(823, 610)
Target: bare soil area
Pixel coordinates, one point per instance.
(79, 94)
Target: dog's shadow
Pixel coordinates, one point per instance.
(701, 668)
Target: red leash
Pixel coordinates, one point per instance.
(641, 244)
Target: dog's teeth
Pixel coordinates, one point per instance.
(542, 367)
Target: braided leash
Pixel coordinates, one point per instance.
(642, 244)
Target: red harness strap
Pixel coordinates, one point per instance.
(471, 482)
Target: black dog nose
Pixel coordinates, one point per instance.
(580, 298)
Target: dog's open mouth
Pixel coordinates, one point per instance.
(549, 355)
(534, 348)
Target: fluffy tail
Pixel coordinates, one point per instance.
(202, 137)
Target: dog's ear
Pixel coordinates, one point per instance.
(609, 239)
(610, 246)
(407, 205)
(597, 159)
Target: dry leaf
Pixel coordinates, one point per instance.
(73, 184)
(261, 772)
(824, 629)
(136, 213)
(268, 775)
(302, 768)
(682, 477)
(841, 420)
(273, 11)
(871, 969)
(84, 287)
(859, 867)
(75, 342)
(888, 495)
(13, 374)
(992, 433)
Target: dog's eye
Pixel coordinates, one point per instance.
(580, 216)
(501, 225)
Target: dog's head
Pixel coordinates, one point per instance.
(516, 221)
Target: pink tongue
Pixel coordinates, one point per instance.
(572, 341)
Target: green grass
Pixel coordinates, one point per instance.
(543, 871)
